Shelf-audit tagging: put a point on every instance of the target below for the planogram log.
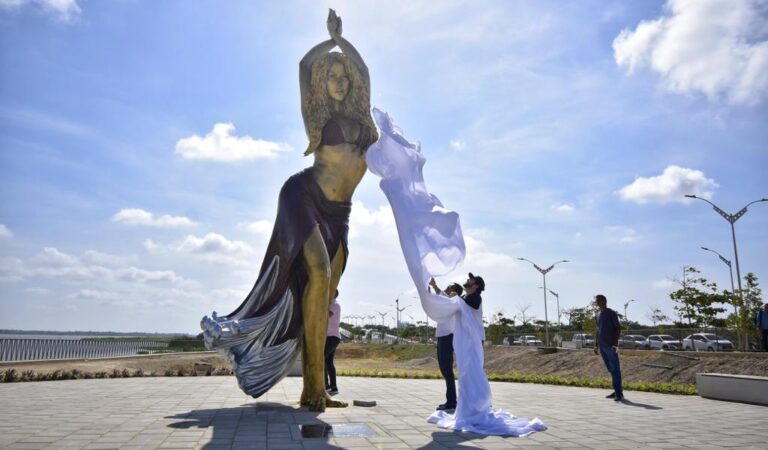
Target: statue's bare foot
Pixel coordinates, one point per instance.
(315, 403)
(331, 403)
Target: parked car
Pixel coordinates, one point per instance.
(530, 340)
(709, 342)
(663, 342)
(633, 341)
(586, 340)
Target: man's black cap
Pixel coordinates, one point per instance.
(479, 281)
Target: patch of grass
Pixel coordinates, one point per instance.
(557, 380)
(399, 352)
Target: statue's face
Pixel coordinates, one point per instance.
(338, 82)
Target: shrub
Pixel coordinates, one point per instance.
(11, 375)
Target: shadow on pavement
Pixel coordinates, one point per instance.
(249, 423)
(640, 405)
(451, 439)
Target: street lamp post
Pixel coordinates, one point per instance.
(730, 270)
(382, 317)
(544, 276)
(557, 297)
(626, 305)
(399, 311)
(732, 218)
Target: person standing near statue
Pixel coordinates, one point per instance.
(332, 341)
(607, 344)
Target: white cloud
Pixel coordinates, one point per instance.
(93, 294)
(37, 291)
(371, 223)
(214, 247)
(5, 232)
(213, 243)
(135, 275)
(717, 47)
(621, 234)
(54, 264)
(11, 270)
(221, 146)
(457, 144)
(137, 216)
(261, 227)
(564, 208)
(65, 10)
(671, 186)
(52, 257)
(96, 257)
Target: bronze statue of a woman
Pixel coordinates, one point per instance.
(307, 252)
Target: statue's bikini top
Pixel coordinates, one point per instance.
(333, 134)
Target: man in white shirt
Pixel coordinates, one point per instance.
(444, 333)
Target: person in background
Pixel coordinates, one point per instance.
(607, 344)
(761, 320)
(332, 340)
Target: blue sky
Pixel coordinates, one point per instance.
(143, 144)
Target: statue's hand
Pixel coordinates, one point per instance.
(334, 24)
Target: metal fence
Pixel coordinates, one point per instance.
(24, 349)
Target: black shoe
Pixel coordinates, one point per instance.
(619, 398)
(446, 407)
(611, 395)
(333, 391)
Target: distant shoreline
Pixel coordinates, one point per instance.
(48, 334)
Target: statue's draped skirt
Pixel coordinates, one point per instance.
(261, 337)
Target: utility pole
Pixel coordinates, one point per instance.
(544, 276)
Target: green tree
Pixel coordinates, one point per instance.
(499, 327)
(656, 315)
(582, 318)
(697, 299)
(748, 308)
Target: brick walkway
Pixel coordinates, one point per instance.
(212, 413)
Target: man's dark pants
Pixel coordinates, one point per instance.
(331, 342)
(445, 361)
(765, 340)
(611, 360)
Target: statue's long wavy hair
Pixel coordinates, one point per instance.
(319, 106)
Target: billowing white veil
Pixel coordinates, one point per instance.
(433, 245)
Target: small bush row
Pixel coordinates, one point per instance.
(12, 375)
(558, 380)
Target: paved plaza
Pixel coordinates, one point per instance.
(212, 413)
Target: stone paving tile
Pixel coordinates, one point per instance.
(212, 413)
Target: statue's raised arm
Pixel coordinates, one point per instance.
(335, 83)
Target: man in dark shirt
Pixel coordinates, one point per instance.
(607, 344)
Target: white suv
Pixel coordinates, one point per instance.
(663, 342)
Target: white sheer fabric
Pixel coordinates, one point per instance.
(433, 245)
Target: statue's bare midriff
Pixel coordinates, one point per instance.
(338, 170)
